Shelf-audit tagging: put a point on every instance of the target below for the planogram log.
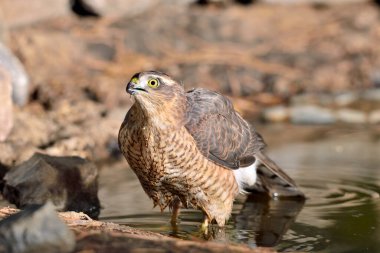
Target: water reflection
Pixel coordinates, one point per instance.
(267, 219)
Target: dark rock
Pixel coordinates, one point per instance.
(81, 8)
(6, 112)
(71, 183)
(98, 8)
(3, 170)
(20, 80)
(35, 229)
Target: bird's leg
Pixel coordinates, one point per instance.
(176, 205)
(204, 225)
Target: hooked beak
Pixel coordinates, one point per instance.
(132, 88)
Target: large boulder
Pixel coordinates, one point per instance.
(35, 229)
(70, 182)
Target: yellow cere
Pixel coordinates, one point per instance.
(134, 80)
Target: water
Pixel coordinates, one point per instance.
(340, 175)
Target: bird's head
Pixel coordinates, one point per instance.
(157, 94)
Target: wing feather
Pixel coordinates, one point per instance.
(224, 137)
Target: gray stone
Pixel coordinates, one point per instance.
(346, 99)
(374, 117)
(372, 95)
(303, 99)
(276, 114)
(36, 229)
(351, 116)
(20, 80)
(71, 183)
(310, 114)
(6, 111)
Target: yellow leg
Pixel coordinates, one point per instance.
(204, 226)
(175, 211)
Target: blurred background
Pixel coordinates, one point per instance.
(299, 61)
(306, 73)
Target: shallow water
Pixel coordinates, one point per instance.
(339, 174)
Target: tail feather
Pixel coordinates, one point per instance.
(272, 180)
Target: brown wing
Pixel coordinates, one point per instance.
(221, 134)
(224, 137)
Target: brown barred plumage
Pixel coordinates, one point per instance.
(190, 148)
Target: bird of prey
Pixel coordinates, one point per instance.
(193, 149)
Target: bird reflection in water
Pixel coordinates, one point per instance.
(261, 221)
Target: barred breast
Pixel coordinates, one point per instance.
(169, 164)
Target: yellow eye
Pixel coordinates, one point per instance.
(134, 80)
(153, 83)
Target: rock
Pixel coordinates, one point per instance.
(6, 111)
(71, 183)
(32, 128)
(351, 116)
(303, 99)
(374, 117)
(372, 95)
(375, 78)
(20, 80)
(35, 229)
(276, 114)
(111, 7)
(346, 99)
(310, 114)
(17, 13)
